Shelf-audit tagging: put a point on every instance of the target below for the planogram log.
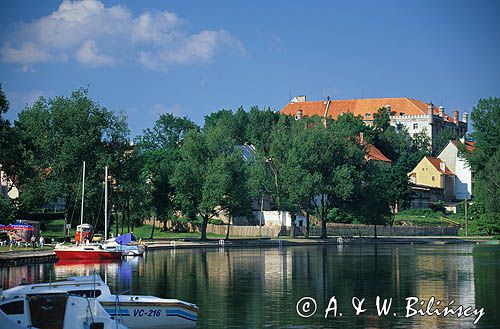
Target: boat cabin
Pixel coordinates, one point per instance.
(84, 232)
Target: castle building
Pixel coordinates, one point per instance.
(405, 113)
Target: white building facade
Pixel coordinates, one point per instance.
(459, 165)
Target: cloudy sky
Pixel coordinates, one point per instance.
(191, 58)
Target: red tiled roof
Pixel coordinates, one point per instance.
(373, 153)
(469, 145)
(437, 164)
(365, 108)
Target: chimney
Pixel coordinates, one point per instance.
(441, 111)
(465, 116)
(298, 99)
(430, 112)
(325, 115)
(442, 166)
(455, 116)
(362, 138)
(299, 115)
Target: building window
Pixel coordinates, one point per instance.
(415, 126)
(433, 178)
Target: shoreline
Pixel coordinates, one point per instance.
(291, 242)
(17, 258)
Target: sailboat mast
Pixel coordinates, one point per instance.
(106, 203)
(81, 209)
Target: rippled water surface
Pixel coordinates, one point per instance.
(260, 288)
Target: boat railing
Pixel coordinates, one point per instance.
(118, 309)
(89, 307)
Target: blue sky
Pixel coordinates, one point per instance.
(191, 58)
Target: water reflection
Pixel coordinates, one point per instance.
(255, 288)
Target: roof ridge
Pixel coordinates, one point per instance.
(412, 102)
(361, 99)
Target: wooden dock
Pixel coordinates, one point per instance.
(17, 258)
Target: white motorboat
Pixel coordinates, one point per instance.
(54, 309)
(133, 311)
(126, 244)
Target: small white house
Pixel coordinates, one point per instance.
(459, 165)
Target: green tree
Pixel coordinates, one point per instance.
(10, 151)
(443, 139)
(160, 151)
(8, 211)
(259, 128)
(485, 159)
(211, 176)
(57, 135)
(318, 168)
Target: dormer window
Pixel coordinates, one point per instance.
(368, 114)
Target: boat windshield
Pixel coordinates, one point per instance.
(86, 293)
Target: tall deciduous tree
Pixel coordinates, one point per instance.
(10, 150)
(485, 161)
(57, 136)
(160, 151)
(318, 168)
(211, 176)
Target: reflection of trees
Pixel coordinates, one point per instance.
(487, 287)
(255, 288)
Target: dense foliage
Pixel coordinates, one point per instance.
(312, 166)
(485, 162)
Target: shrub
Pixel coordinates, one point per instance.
(437, 206)
(489, 223)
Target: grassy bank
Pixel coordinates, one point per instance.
(428, 217)
(54, 230)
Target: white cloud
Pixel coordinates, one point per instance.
(156, 28)
(86, 30)
(88, 54)
(27, 53)
(200, 47)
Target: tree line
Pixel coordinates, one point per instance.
(177, 169)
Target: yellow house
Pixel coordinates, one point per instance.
(434, 172)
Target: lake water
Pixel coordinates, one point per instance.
(260, 288)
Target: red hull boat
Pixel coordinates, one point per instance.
(94, 253)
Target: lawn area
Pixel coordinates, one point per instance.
(428, 217)
(53, 229)
(144, 232)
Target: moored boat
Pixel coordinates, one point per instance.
(54, 309)
(126, 244)
(81, 250)
(134, 311)
(86, 252)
